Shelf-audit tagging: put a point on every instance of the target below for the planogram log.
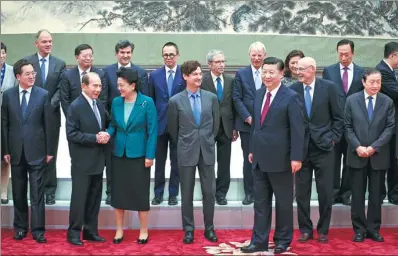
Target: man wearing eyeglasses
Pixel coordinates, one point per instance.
(164, 83)
(322, 103)
(219, 83)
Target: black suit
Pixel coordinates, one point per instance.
(376, 133)
(28, 141)
(275, 143)
(341, 180)
(389, 86)
(224, 136)
(56, 67)
(324, 128)
(88, 162)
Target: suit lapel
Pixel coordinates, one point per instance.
(138, 107)
(76, 76)
(176, 80)
(163, 81)
(362, 105)
(258, 107)
(210, 83)
(275, 102)
(32, 102)
(377, 107)
(187, 105)
(340, 80)
(119, 114)
(249, 73)
(316, 96)
(36, 67)
(300, 91)
(226, 87)
(17, 105)
(51, 65)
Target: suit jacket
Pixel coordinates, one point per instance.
(227, 110)
(192, 139)
(88, 157)
(138, 137)
(389, 84)
(33, 135)
(55, 68)
(243, 96)
(9, 80)
(377, 133)
(157, 89)
(280, 139)
(111, 80)
(70, 87)
(325, 126)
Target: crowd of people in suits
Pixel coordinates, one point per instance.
(292, 126)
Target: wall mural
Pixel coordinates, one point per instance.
(340, 18)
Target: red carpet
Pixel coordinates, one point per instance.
(169, 242)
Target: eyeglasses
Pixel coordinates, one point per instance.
(218, 62)
(169, 56)
(301, 69)
(30, 74)
(87, 56)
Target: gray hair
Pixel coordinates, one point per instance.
(257, 46)
(212, 53)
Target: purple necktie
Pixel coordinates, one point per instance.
(345, 80)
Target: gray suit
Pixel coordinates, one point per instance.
(195, 148)
(377, 133)
(9, 79)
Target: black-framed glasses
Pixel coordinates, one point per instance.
(169, 56)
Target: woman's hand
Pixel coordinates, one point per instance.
(148, 162)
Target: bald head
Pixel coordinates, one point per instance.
(89, 76)
(91, 85)
(306, 70)
(308, 61)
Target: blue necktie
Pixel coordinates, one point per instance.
(96, 113)
(24, 104)
(170, 81)
(43, 70)
(219, 89)
(307, 98)
(370, 108)
(257, 80)
(195, 110)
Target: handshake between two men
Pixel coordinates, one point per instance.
(103, 137)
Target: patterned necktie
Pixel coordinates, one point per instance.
(24, 104)
(265, 108)
(170, 81)
(307, 99)
(219, 89)
(97, 115)
(345, 80)
(43, 70)
(81, 76)
(370, 108)
(195, 110)
(257, 80)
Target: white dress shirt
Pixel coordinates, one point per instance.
(367, 100)
(273, 93)
(312, 85)
(214, 77)
(167, 72)
(90, 101)
(47, 63)
(120, 65)
(27, 95)
(350, 72)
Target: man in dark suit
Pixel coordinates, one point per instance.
(389, 86)
(85, 126)
(123, 51)
(369, 126)
(220, 84)
(27, 134)
(164, 83)
(276, 154)
(49, 69)
(348, 76)
(193, 120)
(71, 80)
(322, 102)
(247, 81)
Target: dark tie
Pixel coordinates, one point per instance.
(170, 81)
(43, 70)
(219, 89)
(24, 104)
(265, 108)
(307, 99)
(345, 80)
(195, 110)
(96, 113)
(370, 108)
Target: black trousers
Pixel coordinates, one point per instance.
(208, 186)
(245, 138)
(160, 166)
(85, 204)
(392, 174)
(267, 184)
(359, 178)
(322, 163)
(19, 180)
(108, 164)
(341, 179)
(50, 175)
(223, 163)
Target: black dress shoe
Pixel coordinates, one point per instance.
(346, 201)
(143, 241)
(108, 199)
(359, 237)
(305, 237)
(280, 249)
(173, 200)
(393, 201)
(253, 248)
(19, 235)
(4, 201)
(188, 237)
(157, 200)
(40, 239)
(337, 200)
(249, 199)
(221, 200)
(211, 235)
(118, 240)
(50, 199)
(93, 238)
(75, 241)
(375, 236)
(322, 238)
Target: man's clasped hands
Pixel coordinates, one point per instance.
(103, 137)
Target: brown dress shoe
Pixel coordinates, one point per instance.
(304, 237)
(323, 238)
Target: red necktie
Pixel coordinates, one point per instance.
(265, 108)
(345, 80)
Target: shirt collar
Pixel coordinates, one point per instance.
(29, 90)
(214, 77)
(81, 70)
(254, 70)
(190, 93)
(275, 90)
(350, 67)
(312, 84)
(46, 58)
(388, 65)
(367, 95)
(120, 65)
(90, 101)
(167, 69)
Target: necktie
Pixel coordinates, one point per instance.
(345, 80)
(307, 99)
(257, 80)
(195, 110)
(219, 89)
(265, 108)
(396, 76)
(24, 104)
(96, 113)
(82, 74)
(370, 108)
(43, 70)
(170, 81)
